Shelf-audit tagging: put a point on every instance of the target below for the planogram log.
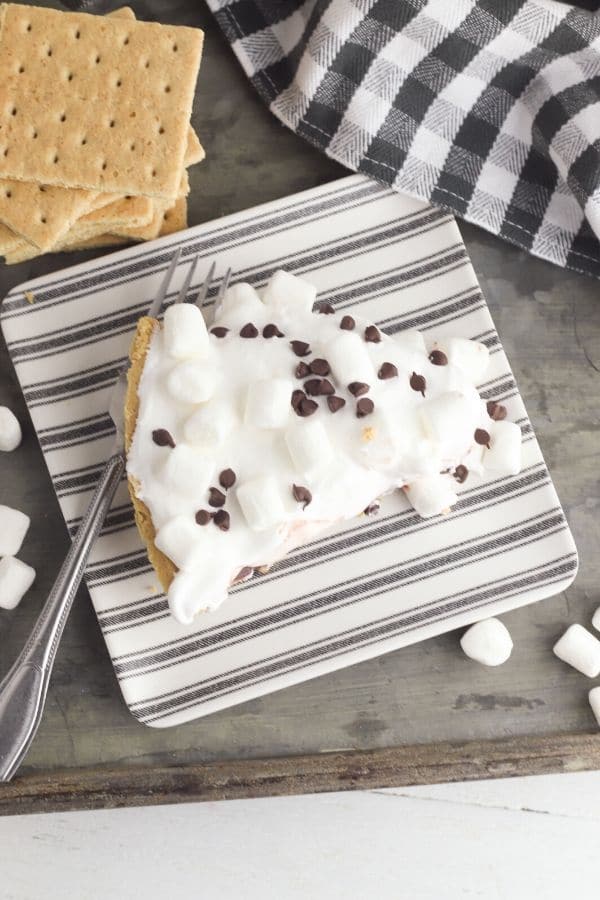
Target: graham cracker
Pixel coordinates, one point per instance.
(8, 240)
(194, 152)
(96, 103)
(130, 211)
(163, 566)
(23, 251)
(175, 218)
(146, 232)
(39, 213)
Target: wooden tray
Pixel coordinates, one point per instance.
(420, 715)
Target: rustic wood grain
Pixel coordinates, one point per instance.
(389, 767)
(410, 700)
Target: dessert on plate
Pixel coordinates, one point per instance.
(247, 438)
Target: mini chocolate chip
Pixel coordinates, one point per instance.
(482, 437)
(326, 309)
(227, 478)
(297, 397)
(438, 358)
(245, 574)
(216, 497)
(320, 367)
(373, 508)
(300, 348)
(313, 387)
(387, 370)
(418, 383)
(461, 473)
(496, 411)
(163, 438)
(219, 331)
(249, 331)
(301, 370)
(347, 323)
(364, 407)
(222, 520)
(335, 403)
(301, 494)
(272, 330)
(307, 408)
(372, 334)
(358, 388)
(326, 388)
(203, 516)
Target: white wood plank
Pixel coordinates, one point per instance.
(328, 846)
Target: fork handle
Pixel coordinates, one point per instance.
(23, 690)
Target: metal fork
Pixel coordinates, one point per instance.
(23, 690)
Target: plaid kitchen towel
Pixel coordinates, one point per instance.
(490, 109)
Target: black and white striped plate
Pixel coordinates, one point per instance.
(367, 588)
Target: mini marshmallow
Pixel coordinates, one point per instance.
(579, 649)
(471, 357)
(349, 359)
(13, 528)
(181, 540)
(411, 342)
(309, 445)
(184, 331)
(191, 381)
(286, 293)
(268, 403)
(596, 619)
(594, 698)
(187, 471)
(504, 454)
(262, 502)
(10, 430)
(431, 495)
(488, 642)
(209, 425)
(16, 578)
(240, 304)
(449, 419)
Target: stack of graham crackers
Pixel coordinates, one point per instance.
(95, 135)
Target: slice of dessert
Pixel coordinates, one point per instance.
(246, 440)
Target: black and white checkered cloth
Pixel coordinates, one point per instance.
(490, 109)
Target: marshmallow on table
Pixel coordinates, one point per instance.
(268, 402)
(262, 502)
(184, 331)
(10, 430)
(431, 494)
(209, 425)
(191, 381)
(594, 698)
(471, 357)
(579, 649)
(596, 619)
(504, 454)
(349, 359)
(488, 642)
(286, 293)
(16, 578)
(13, 528)
(309, 445)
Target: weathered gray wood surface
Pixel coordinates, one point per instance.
(549, 321)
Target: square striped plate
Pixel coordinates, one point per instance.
(364, 589)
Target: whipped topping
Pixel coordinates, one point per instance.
(278, 421)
